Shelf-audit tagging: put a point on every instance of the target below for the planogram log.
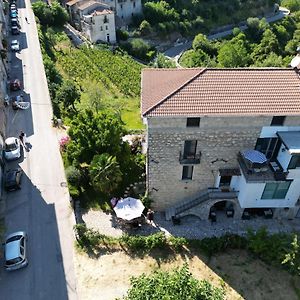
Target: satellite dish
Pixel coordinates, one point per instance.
(295, 61)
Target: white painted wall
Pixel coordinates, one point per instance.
(127, 8)
(270, 131)
(250, 195)
(95, 28)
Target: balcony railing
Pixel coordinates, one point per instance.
(189, 159)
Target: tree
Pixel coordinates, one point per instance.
(234, 53)
(105, 173)
(268, 44)
(43, 12)
(145, 27)
(163, 62)
(59, 14)
(68, 94)
(94, 133)
(156, 12)
(201, 42)
(54, 15)
(197, 58)
(292, 5)
(272, 60)
(176, 284)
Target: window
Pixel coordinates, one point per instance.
(133, 4)
(268, 146)
(189, 149)
(187, 172)
(193, 122)
(294, 162)
(121, 6)
(105, 19)
(101, 28)
(106, 27)
(276, 190)
(278, 121)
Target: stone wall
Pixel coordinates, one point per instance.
(219, 140)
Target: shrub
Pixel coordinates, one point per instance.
(73, 176)
(122, 35)
(157, 240)
(177, 243)
(176, 284)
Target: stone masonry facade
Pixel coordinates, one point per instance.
(219, 139)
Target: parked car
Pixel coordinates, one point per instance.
(12, 148)
(13, 13)
(12, 180)
(15, 248)
(15, 30)
(15, 22)
(15, 45)
(13, 5)
(15, 85)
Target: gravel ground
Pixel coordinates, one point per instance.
(191, 227)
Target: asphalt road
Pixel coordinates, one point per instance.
(42, 207)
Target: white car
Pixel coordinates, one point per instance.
(15, 45)
(12, 148)
(15, 248)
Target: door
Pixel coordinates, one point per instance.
(225, 181)
(190, 149)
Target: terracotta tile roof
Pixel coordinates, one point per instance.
(72, 2)
(102, 11)
(196, 92)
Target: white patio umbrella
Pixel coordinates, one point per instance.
(129, 208)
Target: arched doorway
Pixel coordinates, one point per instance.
(222, 210)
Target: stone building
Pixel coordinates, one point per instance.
(223, 139)
(99, 19)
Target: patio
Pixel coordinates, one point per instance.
(190, 226)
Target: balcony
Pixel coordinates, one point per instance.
(189, 159)
(269, 173)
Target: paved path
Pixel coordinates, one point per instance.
(176, 51)
(191, 227)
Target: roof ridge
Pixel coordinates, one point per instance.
(201, 71)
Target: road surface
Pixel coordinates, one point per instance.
(42, 207)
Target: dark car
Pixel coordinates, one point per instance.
(15, 85)
(12, 180)
(15, 30)
(15, 22)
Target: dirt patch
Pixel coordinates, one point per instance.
(244, 277)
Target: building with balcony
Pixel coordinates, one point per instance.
(223, 139)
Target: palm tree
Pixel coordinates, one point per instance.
(105, 172)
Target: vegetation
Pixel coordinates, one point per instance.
(54, 15)
(191, 16)
(277, 249)
(176, 284)
(261, 45)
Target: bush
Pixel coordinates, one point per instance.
(176, 284)
(73, 176)
(139, 49)
(177, 243)
(122, 35)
